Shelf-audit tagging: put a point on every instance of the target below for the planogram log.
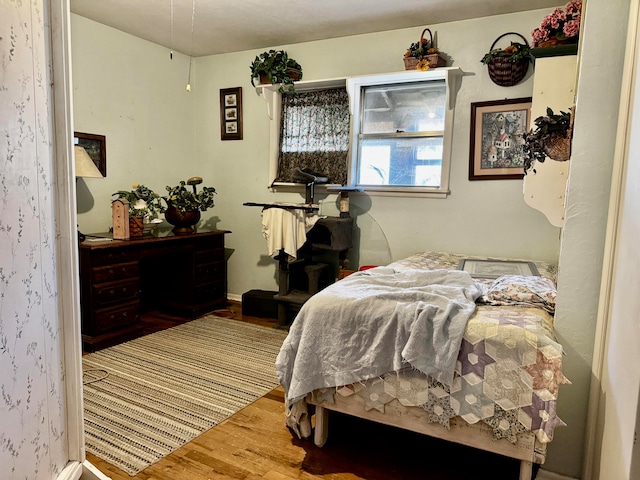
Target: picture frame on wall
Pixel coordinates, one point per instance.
(496, 145)
(96, 147)
(231, 113)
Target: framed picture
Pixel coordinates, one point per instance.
(496, 147)
(231, 113)
(496, 268)
(96, 147)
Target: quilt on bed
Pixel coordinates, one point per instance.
(508, 364)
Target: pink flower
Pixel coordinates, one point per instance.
(559, 23)
(539, 35)
(571, 28)
(573, 7)
(558, 15)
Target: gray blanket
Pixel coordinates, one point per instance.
(374, 322)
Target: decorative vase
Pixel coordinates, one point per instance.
(136, 226)
(183, 222)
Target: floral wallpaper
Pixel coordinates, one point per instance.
(32, 421)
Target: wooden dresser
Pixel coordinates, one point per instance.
(183, 275)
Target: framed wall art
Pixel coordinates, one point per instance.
(96, 147)
(231, 113)
(496, 147)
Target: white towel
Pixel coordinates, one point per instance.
(286, 229)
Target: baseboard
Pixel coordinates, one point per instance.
(90, 472)
(234, 297)
(547, 475)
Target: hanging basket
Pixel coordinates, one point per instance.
(434, 59)
(502, 70)
(558, 147)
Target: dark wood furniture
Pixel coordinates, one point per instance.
(119, 279)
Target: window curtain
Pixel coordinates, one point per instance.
(314, 134)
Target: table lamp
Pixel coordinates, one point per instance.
(84, 168)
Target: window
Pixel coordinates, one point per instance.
(402, 128)
(292, 147)
(314, 134)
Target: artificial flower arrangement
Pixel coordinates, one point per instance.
(423, 54)
(183, 199)
(143, 202)
(514, 53)
(507, 66)
(562, 26)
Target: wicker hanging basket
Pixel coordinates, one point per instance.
(502, 70)
(558, 147)
(434, 59)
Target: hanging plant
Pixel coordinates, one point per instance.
(275, 66)
(550, 138)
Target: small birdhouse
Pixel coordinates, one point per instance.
(120, 215)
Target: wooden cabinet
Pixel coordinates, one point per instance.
(179, 274)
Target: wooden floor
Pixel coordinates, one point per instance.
(255, 444)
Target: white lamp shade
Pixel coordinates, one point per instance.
(84, 165)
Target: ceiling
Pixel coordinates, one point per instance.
(224, 26)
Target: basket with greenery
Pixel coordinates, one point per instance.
(550, 138)
(143, 202)
(423, 54)
(508, 66)
(275, 67)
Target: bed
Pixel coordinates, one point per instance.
(424, 345)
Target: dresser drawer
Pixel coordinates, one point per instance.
(210, 271)
(112, 256)
(111, 273)
(209, 292)
(109, 319)
(209, 255)
(108, 293)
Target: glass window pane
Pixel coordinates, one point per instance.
(404, 108)
(415, 161)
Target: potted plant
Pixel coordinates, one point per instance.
(509, 65)
(184, 205)
(144, 207)
(550, 138)
(560, 27)
(275, 66)
(423, 54)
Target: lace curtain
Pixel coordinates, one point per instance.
(314, 134)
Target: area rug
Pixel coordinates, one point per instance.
(145, 398)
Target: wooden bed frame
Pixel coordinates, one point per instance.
(528, 449)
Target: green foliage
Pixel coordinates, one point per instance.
(421, 49)
(143, 202)
(184, 199)
(277, 66)
(515, 53)
(547, 126)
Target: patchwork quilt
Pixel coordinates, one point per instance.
(508, 368)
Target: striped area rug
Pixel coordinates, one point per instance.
(145, 398)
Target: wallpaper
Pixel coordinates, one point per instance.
(32, 423)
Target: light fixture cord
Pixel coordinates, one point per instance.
(193, 19)
(171, 33)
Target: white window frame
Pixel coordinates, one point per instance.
(355, 85)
